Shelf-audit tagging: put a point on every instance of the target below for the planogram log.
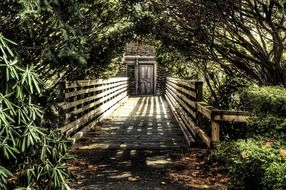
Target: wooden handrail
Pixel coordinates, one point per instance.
(85, 83)
(186, 97)
(86, 101)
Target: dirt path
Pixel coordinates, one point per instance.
(145, 170)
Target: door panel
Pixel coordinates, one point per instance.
(146, 78)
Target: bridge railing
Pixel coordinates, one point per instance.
(85, 102)
(186, 99)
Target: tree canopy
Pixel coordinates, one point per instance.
(245, 37)
(70, 39)
(242, 37)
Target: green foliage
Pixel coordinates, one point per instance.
(228, 97)
(259, 161)
(177, 65)
(238, 36)
(67, 38)
(4, 176)
(254, 164)
(268, 126)
(265, 100)
(275, 176)
(32, 156)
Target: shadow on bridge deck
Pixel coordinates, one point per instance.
(139, 147)
(140, 123)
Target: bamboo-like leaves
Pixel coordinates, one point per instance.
(8, 150)
(58, 178)
(30, 7)
(19, 92)
(31, 136)
(5, 50)
(4, 175)
(11, 69)
(9, 132)
(31, 80)
(39, 155)
(6, 104)
(28, 112)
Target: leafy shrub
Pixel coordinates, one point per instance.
(254, 164)
(32, 157)
(265, 100)
(233, 130)
(267, 126)
(259, 161)
(275, 176)
(228, 93)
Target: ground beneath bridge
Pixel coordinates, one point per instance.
(141, 147)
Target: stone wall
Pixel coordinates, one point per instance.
(161, 80)
(122, 70)
(134, 48)
(132, 81)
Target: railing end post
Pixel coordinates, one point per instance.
(199, 90)
(62, 89)
(215, 127)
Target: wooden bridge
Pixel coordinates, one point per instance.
(171, 121)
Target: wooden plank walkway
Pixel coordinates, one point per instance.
(144, 123)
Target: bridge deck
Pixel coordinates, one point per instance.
(140, 123)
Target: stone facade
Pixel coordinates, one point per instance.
(122, 71)
(161, 80)
(135, 48)
(132, 79)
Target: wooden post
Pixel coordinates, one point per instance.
(136, 75)
(155, 78)
(199, 90)
(62, 99)
(215, 131)
(199, 97)
(62, 88)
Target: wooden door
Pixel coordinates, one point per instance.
(146, 79)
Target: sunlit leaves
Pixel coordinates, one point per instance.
(5, 103)
(245, 38)
(4, 117)
(30, 7)
(10, 68)
(5, 50)
(31, 80)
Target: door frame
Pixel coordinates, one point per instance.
(138, 62)
(154, 64)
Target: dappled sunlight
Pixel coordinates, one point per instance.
(133, 144)
(158, 161)
(138, 123)
(93, 146)
(164, 108)
(121, 175)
